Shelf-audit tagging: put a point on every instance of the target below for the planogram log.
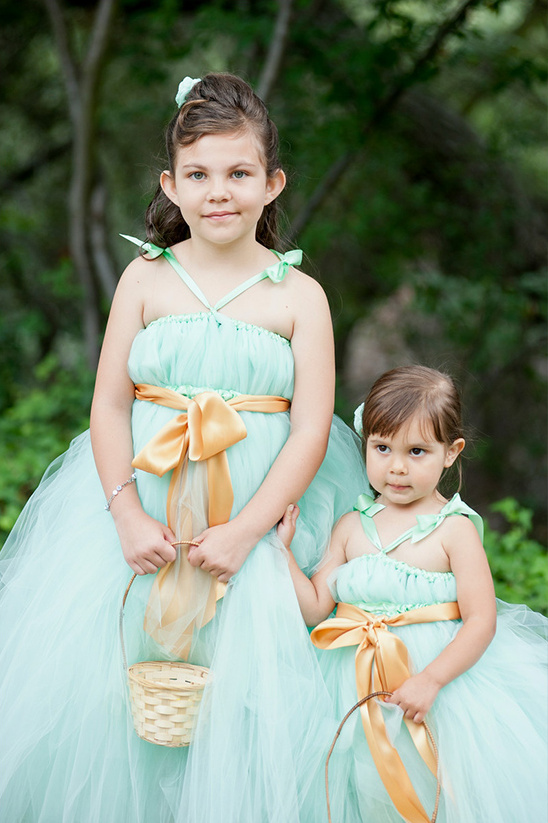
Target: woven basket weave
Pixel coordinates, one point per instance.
(165, 700)
(164, 696)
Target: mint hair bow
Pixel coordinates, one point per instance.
(358, 420)
(184, 87)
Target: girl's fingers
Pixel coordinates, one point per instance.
(167, 553)
(195, 558)
(150, 566)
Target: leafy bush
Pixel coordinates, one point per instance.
(38, 427)
(518, 563)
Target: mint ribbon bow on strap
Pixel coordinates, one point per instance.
(367, 508)
(151, 249)
(277, 271)
(426, 523)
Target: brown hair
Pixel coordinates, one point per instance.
(217, 104)
(400, 394)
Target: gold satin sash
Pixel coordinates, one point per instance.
(382, 664)
(204, 430)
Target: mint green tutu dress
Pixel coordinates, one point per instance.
(490, 723)
(68, 749)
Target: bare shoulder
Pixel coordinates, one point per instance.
(348, 524)
(137, 284)
(307, 286)
(460, 534)
(309, 304)
(341, 538)
(139, 272)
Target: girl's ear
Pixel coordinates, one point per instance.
(167, 182)
(274, 186)
(453, 451)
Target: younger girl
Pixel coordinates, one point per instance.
(212, 411)
(417, 616)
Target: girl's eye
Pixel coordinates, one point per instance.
(239, 175)
(197, 175)
(383, 449)
(416, 452)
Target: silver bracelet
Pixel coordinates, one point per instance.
(118, 489)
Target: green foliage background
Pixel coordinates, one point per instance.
(430, 240)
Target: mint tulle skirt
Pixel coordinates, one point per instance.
(68, 749)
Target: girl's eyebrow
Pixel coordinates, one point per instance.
(247, 163)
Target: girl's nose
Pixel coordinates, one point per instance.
(398, 465)
(218, 189)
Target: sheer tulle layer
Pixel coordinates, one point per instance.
(68, 751)
(490, 723)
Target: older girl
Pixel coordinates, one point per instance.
(212, 411)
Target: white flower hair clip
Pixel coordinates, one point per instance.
(184, 88)
(358, 420)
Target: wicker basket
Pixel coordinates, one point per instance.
(165, 696)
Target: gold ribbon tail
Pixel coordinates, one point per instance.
(205, 428)
(382, 664)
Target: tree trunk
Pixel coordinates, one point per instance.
(82, 84)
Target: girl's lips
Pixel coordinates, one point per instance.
(219, 215)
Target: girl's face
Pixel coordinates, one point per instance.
(220, 185)
(406, 466)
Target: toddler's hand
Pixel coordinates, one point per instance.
(416, 696)
(288, 524)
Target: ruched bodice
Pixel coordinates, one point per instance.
(211, 350)
(377, 583)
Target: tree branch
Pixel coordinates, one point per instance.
(99, 242)
(82, 100)
(68, 66)
(99, 39)
(320, 193)
(276, 50)
(383, 107)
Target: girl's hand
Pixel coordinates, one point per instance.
(146, 543)
(416, 696)
(221, 550)
(288, 524)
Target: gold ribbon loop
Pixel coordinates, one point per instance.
(213, 426)
(205, 429)
(166, 449)
(382, 664)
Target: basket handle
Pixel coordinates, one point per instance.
(343, 721)
(121, 618)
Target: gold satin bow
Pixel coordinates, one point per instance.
(382, 664)
(204, 430)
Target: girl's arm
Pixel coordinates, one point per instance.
(223, 549)
(145, 542)
(476, 599)
(313, 593)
